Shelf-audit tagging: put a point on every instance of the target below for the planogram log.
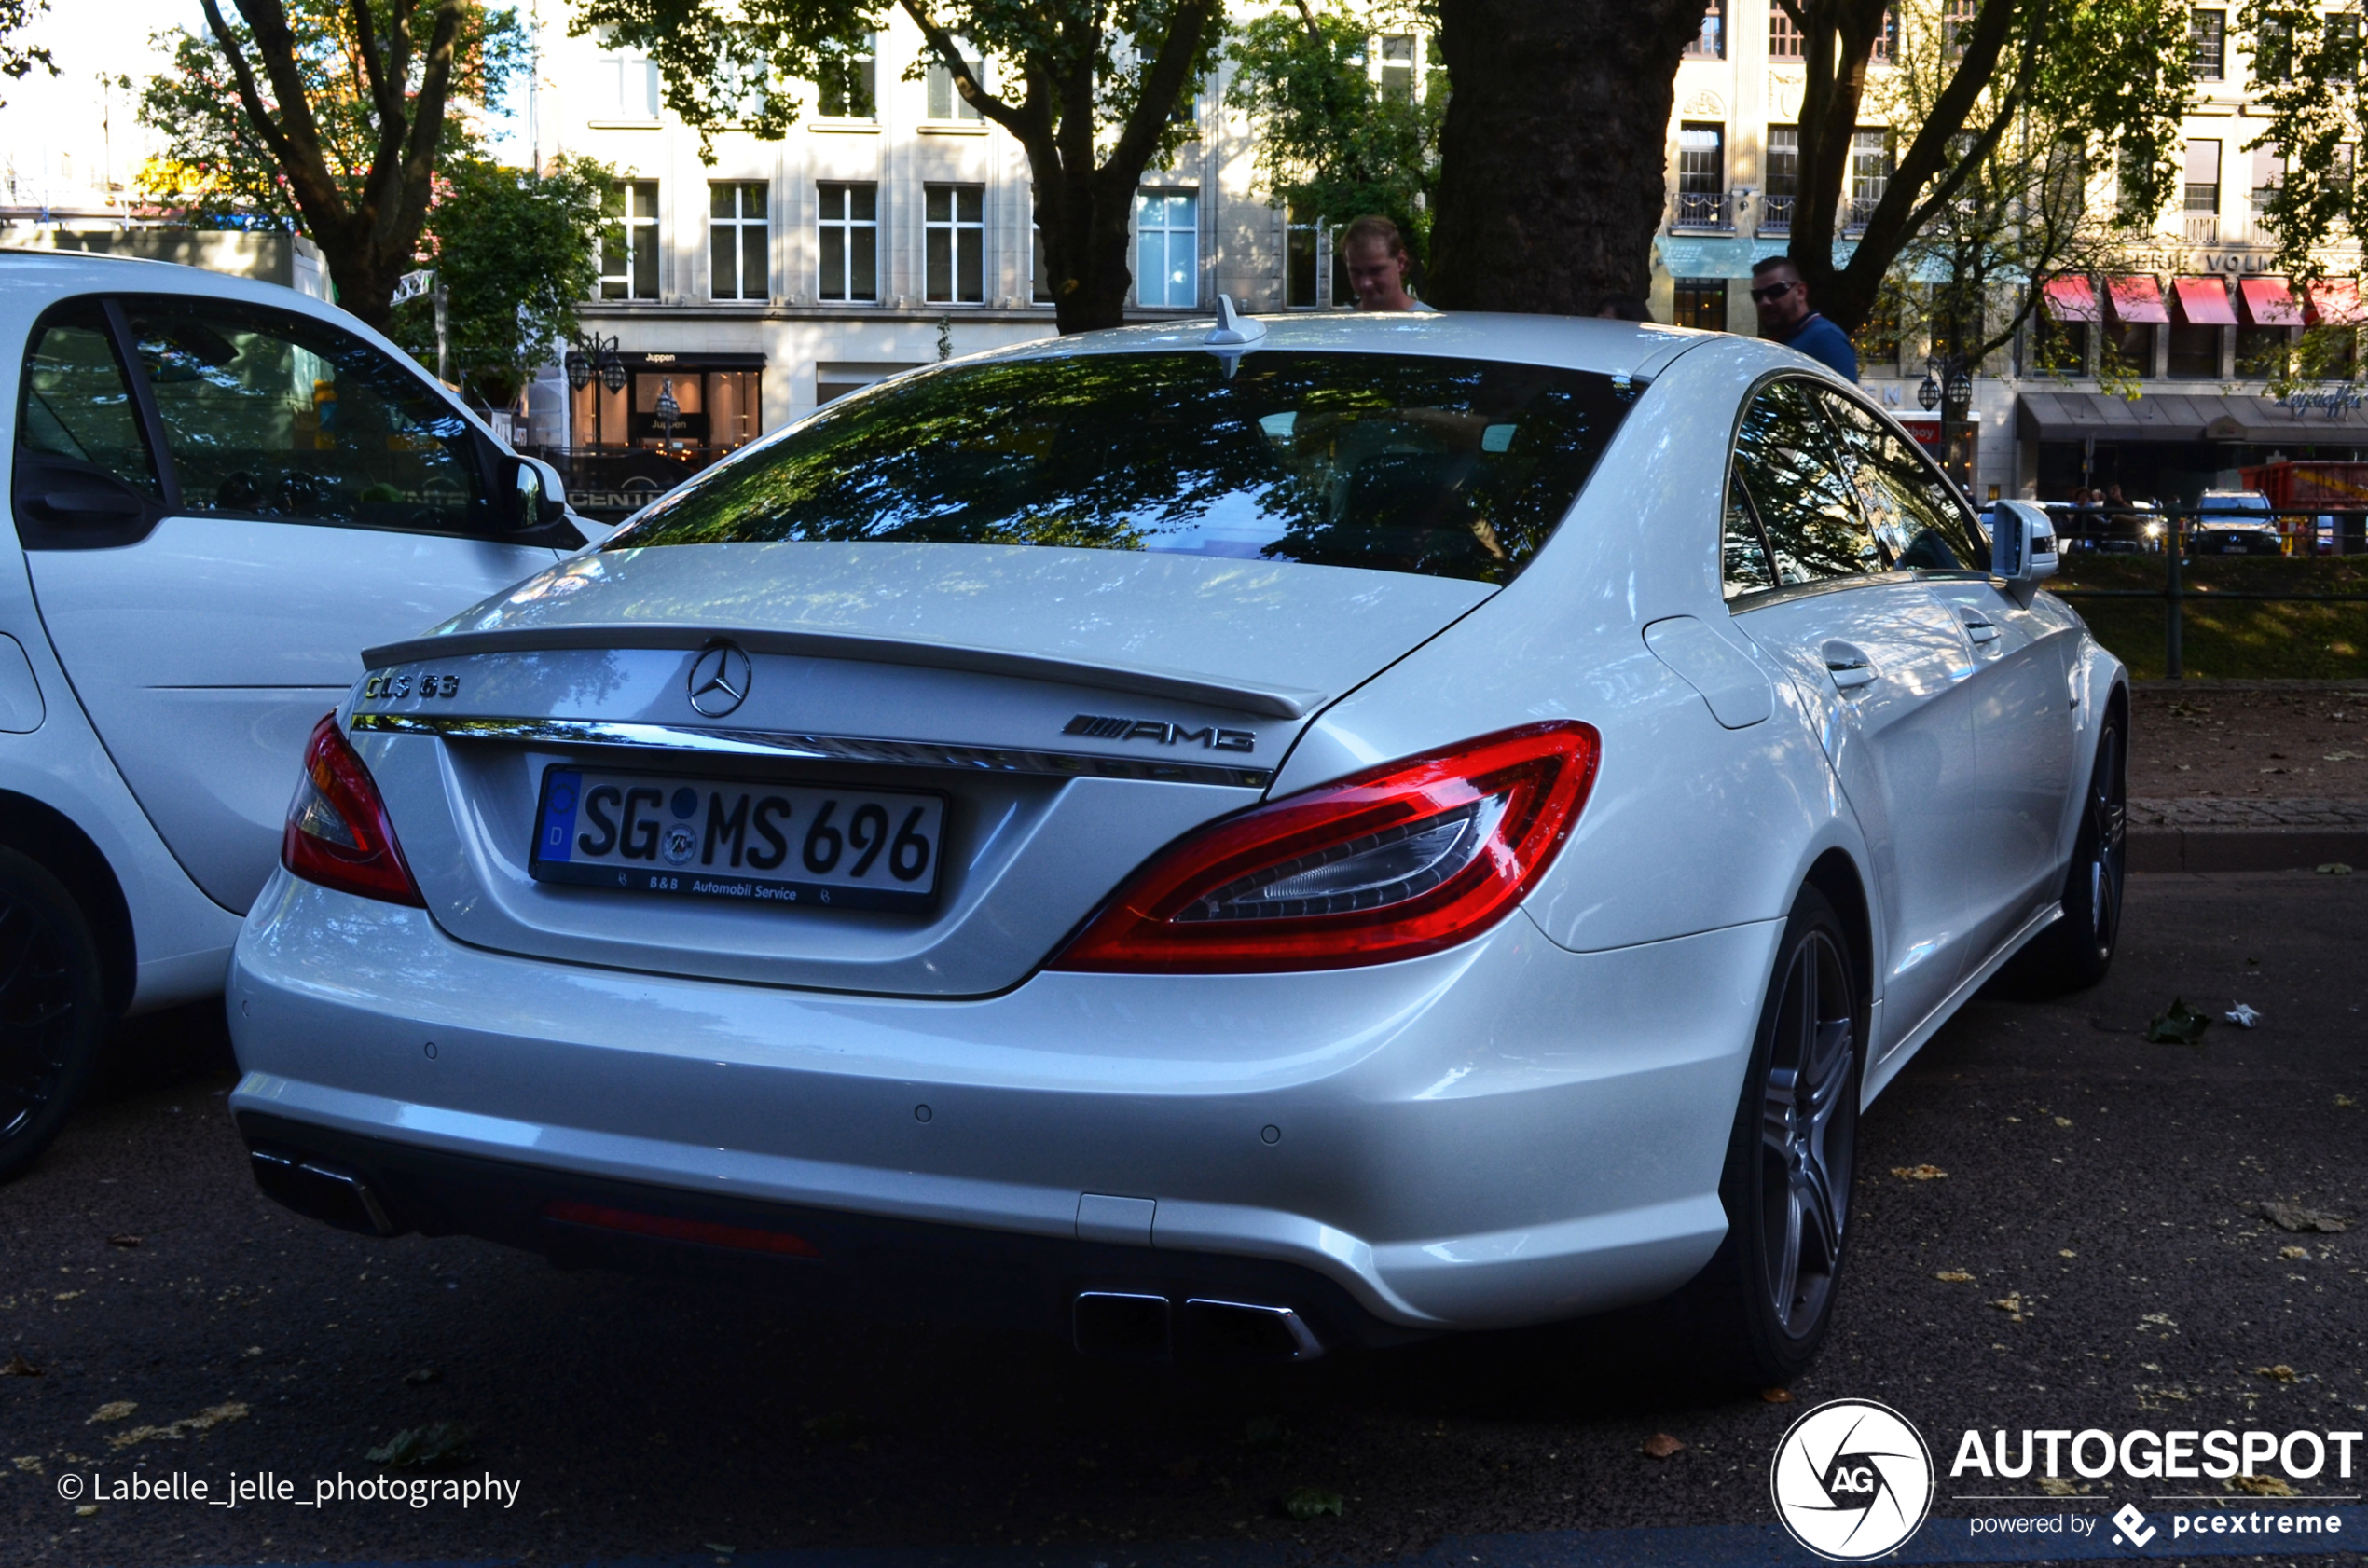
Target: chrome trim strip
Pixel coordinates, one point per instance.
(1216, 691)
(815, 748)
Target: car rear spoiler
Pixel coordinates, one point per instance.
(1215, 691)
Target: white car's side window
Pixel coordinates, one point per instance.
(1916, 514)
(271, 415)
(77, 406)
(1784, 457)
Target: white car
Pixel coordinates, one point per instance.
(224, 491)
(1228, 840)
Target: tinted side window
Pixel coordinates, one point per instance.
(1916, 514)
(1785, 458)
(268, 415)
(77, 404)
(1742, 554)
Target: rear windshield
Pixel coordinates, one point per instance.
(1449, 467)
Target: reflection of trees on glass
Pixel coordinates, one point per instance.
(76, 404)
(1742, 555)
(1450, 467)
(1786, 458)
(1916, 515)
(272, 416)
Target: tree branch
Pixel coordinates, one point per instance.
(296, 146)
(965, 81)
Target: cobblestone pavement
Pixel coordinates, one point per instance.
(2224, 812)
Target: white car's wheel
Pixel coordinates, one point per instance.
(1766, 1298)
(53, 1009)
(2074, 952)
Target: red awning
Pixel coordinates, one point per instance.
(2137, 299)
(2204, 302)
(2270, 303)
(2335, 302)
(2072, 299)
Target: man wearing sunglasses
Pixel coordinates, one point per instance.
(1782, 302)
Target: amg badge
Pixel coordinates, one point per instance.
(1105, 727)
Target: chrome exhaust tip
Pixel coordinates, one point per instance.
(1121, 1327)
(1249, 1332)
(321, 1191)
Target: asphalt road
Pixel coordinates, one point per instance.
(2108, 1187)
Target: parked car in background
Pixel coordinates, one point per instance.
(1222, 841)
(2234, 523)
(222, 492)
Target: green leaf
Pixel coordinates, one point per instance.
(1312, 1501)
(2178, 1025)
(421, 1448)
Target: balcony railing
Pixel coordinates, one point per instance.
(1704, 210)
(1856, 212)
(1776, 214)
(2200, 229)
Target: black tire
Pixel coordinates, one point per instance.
(1762, 1307)
(2074, 952)
(53, 1009)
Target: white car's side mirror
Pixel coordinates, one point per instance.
(2022, 544)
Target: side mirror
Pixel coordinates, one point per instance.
(2022, 545)
(538, 495)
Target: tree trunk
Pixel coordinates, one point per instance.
(1554, 153)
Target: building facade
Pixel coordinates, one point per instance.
(2186, 310)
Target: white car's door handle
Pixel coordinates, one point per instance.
(1848, 666)
(1981, 632)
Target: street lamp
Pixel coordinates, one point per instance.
(594, 355)
(1929, 394)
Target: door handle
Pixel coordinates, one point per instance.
(1848, 667)
(1981, 632)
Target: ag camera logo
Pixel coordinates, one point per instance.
(1851, 1479)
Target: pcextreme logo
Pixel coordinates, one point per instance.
(1851, 1479)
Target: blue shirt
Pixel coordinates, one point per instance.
(1825, 343)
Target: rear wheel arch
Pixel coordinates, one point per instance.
(1834, 875)
(48, 837)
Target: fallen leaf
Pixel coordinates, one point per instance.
(2063, 1121)
(2177, 1025)
(2066, 1252)
(2345, 1102)
(1312, 1501)
(1660, 1445)
(417, 1448)
(2011, 1302)
(1955, 1276)
(423, 1375)
(2294, 1216)
(1918, 1173)
(18, 1366)
(29, 1463)
(84, 1510)
(2261, 1486)
(123, 1241)
(2282, 1372)
(2057, 1486)
(713, 1546)
(2335, 868)
(2244, 1017)
(114, 1409)
(204, 1420)
(2301, 1252)
(1776, 1396)
(2156, 1320)
(65, 1294)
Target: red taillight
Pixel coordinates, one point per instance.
(337, 832)
(1407, 859)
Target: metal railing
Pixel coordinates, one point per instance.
(1704, 210)
(1776, 214)
(2175, 593)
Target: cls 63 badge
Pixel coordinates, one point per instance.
(396, 684)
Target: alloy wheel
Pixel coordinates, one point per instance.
(1809, 1120)
(2107, 826)
(37, 1022)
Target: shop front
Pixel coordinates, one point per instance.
(641, 423)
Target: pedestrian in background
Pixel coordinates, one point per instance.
(1378, 264)
(1781, 300)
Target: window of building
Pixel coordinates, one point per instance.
(954, 230)
(1167, 242)
(628, 86)
(2264, 352)
(1782, 176)
(1699, 302)
(2343, 46)
(1397, 66)
(2269, 172)
(945, 103)
(1711, 42)
(737, 255)
(1783, 37)
(1040, 269)
(2203, 177)
(1869, 175)
(2195, 352)
(2131, 345)
(1310, 258)
(849, 84)
(1878, 337)
(1957, 26)
(629, 241)
(1702, 160)
(1886, 40)
(850, 234)
(2208, 43)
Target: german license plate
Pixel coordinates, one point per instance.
(769, 844)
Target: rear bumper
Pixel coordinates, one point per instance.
(1506, 1134)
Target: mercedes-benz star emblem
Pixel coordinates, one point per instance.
(719, 679)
